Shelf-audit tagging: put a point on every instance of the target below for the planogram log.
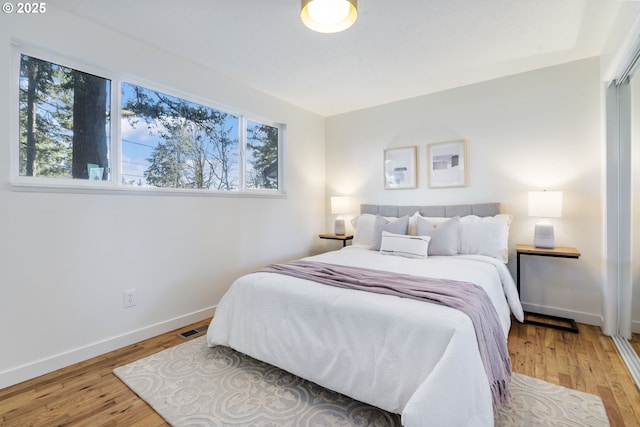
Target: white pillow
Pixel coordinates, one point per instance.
(485, 236)
(364, 225)
(404, 245)
(444, 235)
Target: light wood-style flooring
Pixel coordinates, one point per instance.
(587, 361)
(88, 394)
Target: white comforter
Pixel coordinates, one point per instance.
(414, 358)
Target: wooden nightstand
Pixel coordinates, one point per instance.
(332, 236)
(557, 252)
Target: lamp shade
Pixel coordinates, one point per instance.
(339, 205)
(545, 204)
(329, 16)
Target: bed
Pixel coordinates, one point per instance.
(407, 356)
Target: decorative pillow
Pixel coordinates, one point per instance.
(404, 245)
(435, 220)
(444, 235)
(486, 236)
(364, 226)
(399, 226)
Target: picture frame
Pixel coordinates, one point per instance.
(400, 168)
(447, 164)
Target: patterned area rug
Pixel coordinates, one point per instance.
(194, 385)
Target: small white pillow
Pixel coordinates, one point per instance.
(404, 245)
(486, 236)
(444, 235)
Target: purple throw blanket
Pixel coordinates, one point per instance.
(466, 297)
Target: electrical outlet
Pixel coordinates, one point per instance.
(129, 298)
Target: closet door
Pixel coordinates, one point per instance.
(635, 201)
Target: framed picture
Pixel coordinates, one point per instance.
(400, 168)
(448, 164)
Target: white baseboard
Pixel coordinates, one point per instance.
(43, 366)
(578, 316)
(635, 327)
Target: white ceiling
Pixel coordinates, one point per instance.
(397, 49)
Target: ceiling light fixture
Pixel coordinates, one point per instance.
(329, 16)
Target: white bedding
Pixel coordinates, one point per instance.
(410, 357)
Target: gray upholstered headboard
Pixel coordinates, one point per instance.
(479, 209)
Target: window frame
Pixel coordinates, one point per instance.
(115, 186)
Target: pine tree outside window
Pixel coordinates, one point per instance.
(64, 122)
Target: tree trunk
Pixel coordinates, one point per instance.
(89, 124)
(31, 118)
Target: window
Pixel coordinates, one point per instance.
(173, 143)
(262, 156)
(64, 122)
(165, 141)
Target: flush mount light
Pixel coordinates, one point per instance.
(329, 16)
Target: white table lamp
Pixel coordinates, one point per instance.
(544, 205)
(339, 206)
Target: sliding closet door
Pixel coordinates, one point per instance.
(635, 202)
(622, 296)
(617, 292)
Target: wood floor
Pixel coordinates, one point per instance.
(88, 394)
(587, 361)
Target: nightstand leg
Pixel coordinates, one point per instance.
(573, 327)
(518, 274)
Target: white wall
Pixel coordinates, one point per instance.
(537, 130)
(66, 258)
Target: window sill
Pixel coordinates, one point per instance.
(105, 187)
